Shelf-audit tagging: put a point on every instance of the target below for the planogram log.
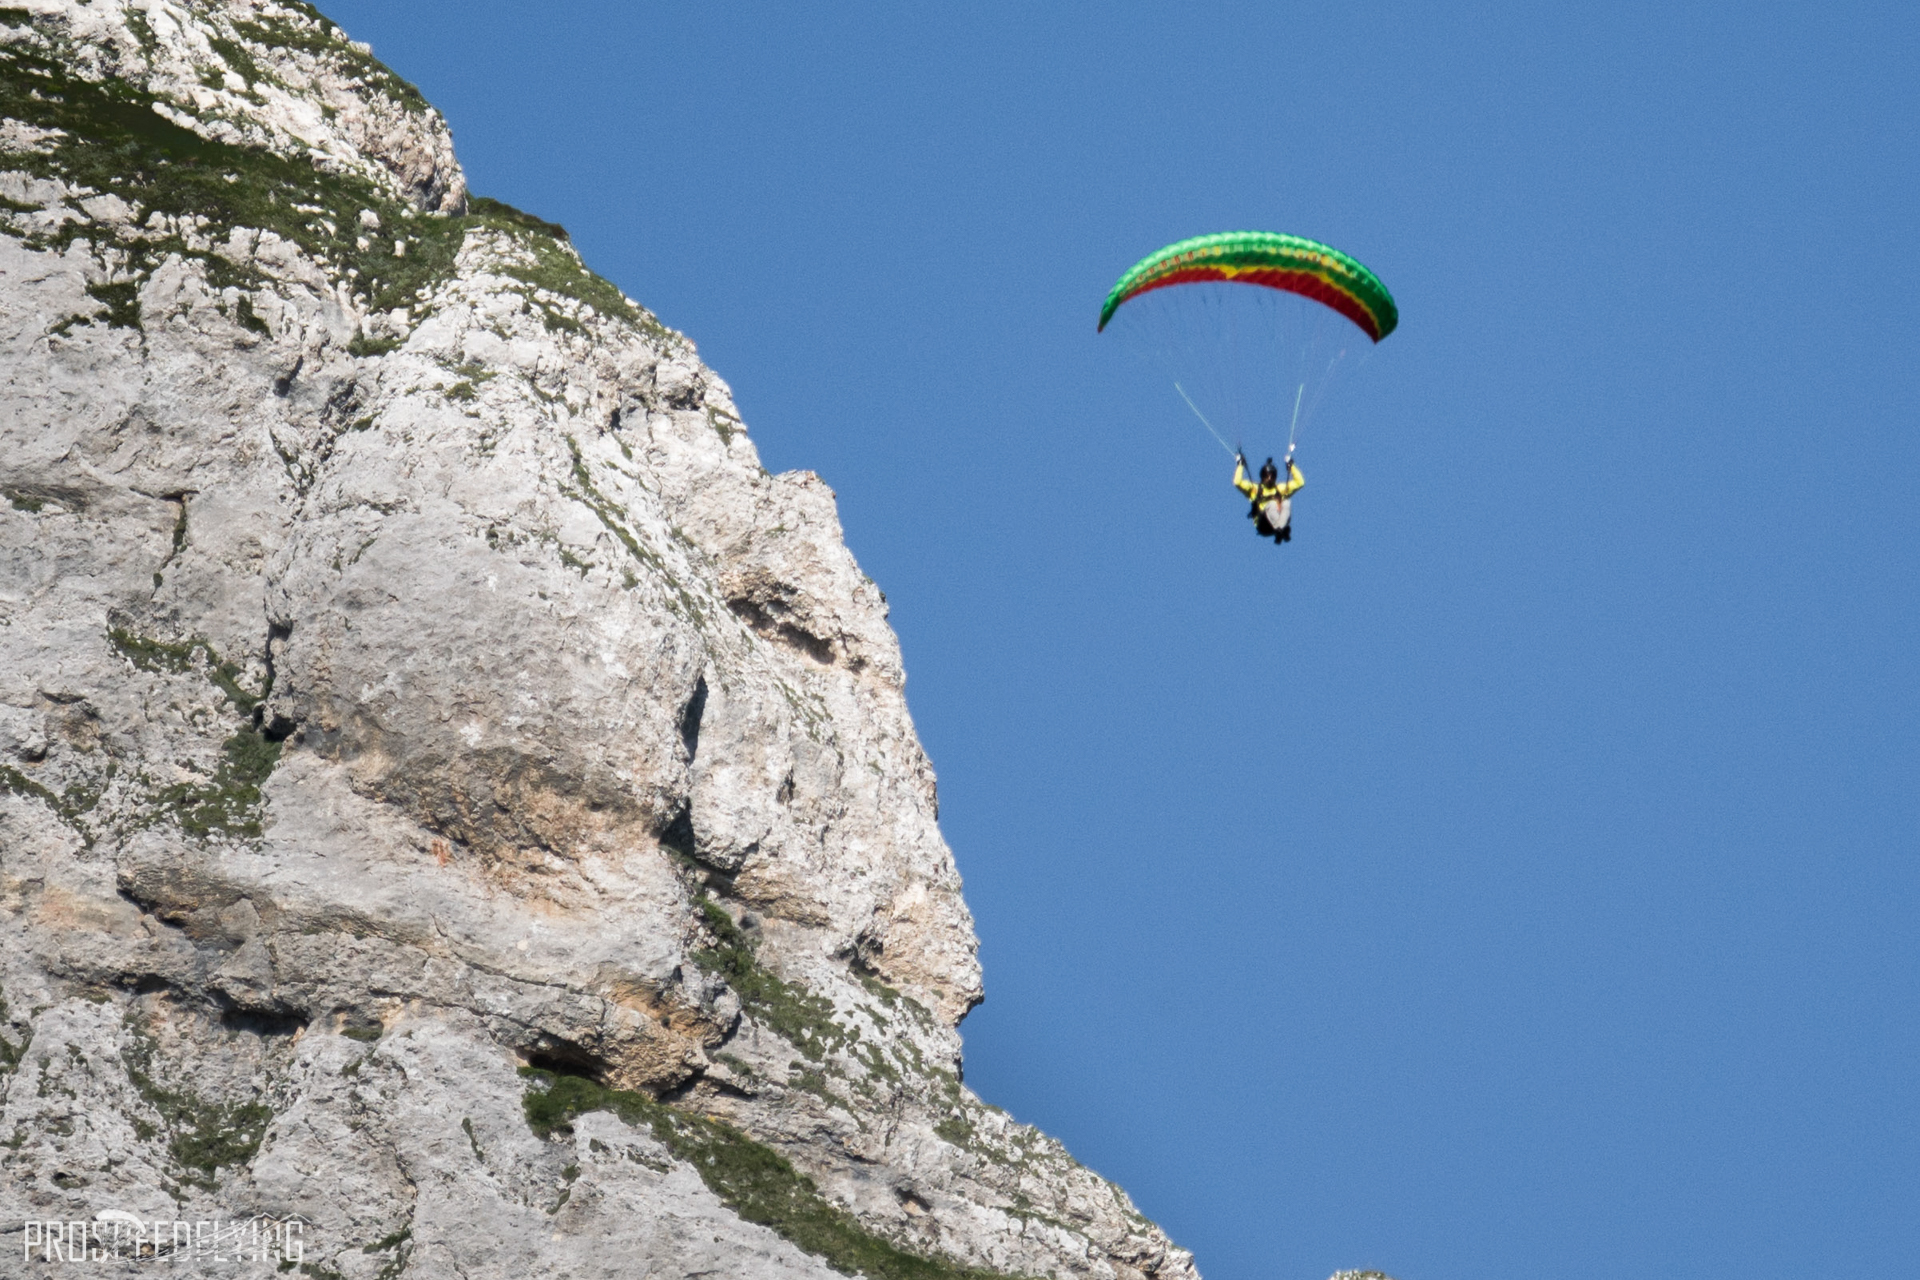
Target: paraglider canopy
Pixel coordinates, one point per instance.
(1251, 363)
(1293, 264)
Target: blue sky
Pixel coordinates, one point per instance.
(1518, 874)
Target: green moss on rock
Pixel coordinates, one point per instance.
(752, 1179)
(115, 141)
(550, 265)
(70, 805)
(11, 1053)
(797, 1015)
(202, 1137)
(122, 303)
(163, 657)
(362, 345)
(229, 802)
(312, 33)
(244, 313)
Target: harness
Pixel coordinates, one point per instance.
(1272, 508)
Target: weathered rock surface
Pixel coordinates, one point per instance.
(452, 798)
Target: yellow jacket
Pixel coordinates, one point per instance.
(1262, 494)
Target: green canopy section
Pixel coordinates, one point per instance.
(1292, 264)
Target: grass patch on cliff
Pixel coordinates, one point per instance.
(122, 303)
(116, 142)
(161, 657)
(202, 1137)
(11, 1053)
(794, 1013)
(113, 139)
(679, 600)
(70, 805)
(752, 1179)
(555, 268)
(229, 801)
(314, 34)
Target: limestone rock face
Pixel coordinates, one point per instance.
(455, 804)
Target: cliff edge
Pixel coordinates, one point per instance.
(458, 811)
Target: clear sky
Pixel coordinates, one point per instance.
(1518, 875)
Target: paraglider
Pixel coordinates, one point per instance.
(1247, 353)
(1272, 497)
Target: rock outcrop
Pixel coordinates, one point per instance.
(458, 811)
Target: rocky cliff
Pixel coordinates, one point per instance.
(458, 812)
